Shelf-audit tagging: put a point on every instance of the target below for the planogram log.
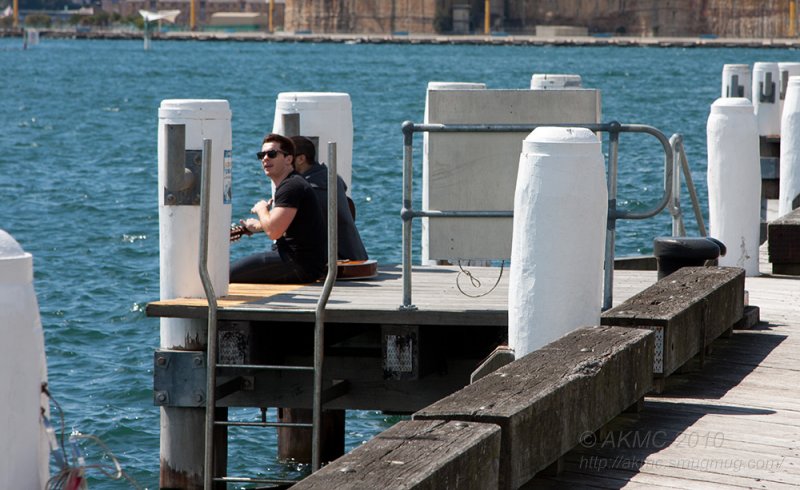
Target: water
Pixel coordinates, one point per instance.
(78, 180)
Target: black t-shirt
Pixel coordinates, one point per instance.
(350, 246)
(304, 241)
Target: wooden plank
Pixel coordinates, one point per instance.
(694, 305)
(423, 455)
(545, 401)
(745, 393)
(784, 243)
(435, 294)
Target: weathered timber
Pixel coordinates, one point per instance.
(784, 244)
(546, 401)
(418, 454)
(688, 309)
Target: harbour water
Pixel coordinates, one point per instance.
(78, 174)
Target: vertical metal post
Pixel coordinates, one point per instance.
(211, 352)
(675, 206)
(319, 337)
(406, 213)
(687, 176)
(291, 124)
(611, 223)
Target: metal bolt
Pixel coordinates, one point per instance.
(198, 397)
(161, 361)
(198, 361)
(161, 397)
(171, 199)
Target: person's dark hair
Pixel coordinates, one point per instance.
(304, 146)
(284, 142)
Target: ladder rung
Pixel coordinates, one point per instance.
(265, 367)
(244, 479)
(265, 424)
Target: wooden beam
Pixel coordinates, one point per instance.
(548, 400)
(423, 455)
(691, 307)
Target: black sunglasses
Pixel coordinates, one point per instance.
(269, 153)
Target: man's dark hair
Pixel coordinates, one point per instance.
(304, 146)
(284, 142)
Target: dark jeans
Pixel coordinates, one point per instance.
(268, 268)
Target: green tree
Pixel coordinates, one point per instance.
(38, 20)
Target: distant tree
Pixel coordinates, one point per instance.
(38, 20)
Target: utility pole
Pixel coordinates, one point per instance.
(16, 14)
(792, 17)
(192, 15)
(487, 17)
(271, 13)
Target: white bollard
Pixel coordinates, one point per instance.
(425, 242)
(560, 211)
(547, 81)
(766, 98)
(737, 81)
(786, 70)
(23, 368)
(734, 182)
(326, 115)
(183, 125)
(790, 148)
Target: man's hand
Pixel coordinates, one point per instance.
(261, 206)
(252, 224)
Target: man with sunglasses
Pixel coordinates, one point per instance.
(350, 246)
(292, 218)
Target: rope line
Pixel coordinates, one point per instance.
(476, 283)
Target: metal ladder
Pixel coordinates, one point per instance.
(319, 335)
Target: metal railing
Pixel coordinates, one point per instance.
(408, 213)
(681, 165)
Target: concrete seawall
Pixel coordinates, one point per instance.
(497, 39)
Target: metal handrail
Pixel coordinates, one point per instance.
(211, 346)
(681, 164)
(613, 128)
(319, 323)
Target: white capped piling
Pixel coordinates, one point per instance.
(183, 125)
(23, 368)
(766, 98)
(325, 115)
(790, 148)
(549, 81)
(560, 211)
(737, 81)
(734, 182)
(426, 162)
(786, 70)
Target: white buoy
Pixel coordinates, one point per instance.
(426, 162)
(326, 115)
(766, 98)
(560, 211)
(547, 81)
(183, 125)
(736, 81)
(734, 182)
(786, 70)
(24, 462)
(790, 148)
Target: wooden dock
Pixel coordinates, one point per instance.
(450, 332)
(735, 423)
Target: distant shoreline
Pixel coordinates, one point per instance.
(494, 39)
